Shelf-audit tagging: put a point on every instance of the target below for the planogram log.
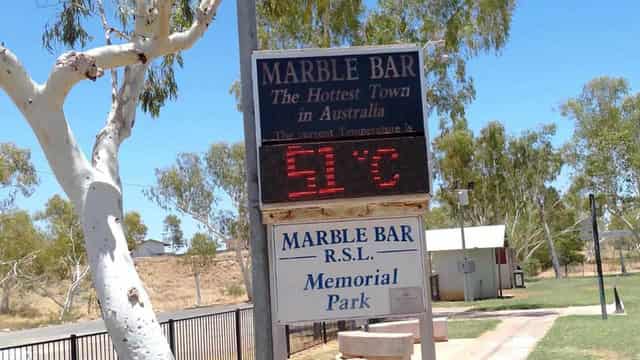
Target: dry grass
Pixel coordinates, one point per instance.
(169, 283)
(321, 352)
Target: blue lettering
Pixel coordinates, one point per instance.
(406, 233)
(336, 236)
(311, 284)
(346, 254)
(379, 233)
(361, 235)
(329, 255)
(393, 235)
(333, 299)
(308, 240)
(322, 237)
(289, 242)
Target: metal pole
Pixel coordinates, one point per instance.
(596, 239)
(247, 37)
(467, 292)
(238, 335)
(172, 336)
(288, 335)
(74, 346)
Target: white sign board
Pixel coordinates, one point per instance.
(348, 269)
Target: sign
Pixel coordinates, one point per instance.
(329, 96)
(348, 269)
(328, 170)
(370, 99)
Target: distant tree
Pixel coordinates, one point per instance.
(539, 164)
(17, 175)
(605, 151)
(134, 229)
(173, 232)
(65, 253)
(199, 258)
(20, 242)
(225, 166)
(190, 187)
(439, 217)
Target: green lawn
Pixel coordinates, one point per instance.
(549, 293)
(470, 329)
(589, 337)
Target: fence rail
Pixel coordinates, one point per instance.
(224, 335)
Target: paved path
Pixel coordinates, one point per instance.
(513, 339)
(87, 327)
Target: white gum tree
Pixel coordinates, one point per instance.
(159, 29)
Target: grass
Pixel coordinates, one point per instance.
(589, 337)
(470, 329)
(549, 293)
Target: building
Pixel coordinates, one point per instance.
(486, 247)
(149, 248)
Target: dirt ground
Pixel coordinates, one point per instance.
(170, 284)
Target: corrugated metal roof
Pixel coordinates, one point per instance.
(481, 237)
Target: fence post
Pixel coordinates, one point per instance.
(287, 334)
(324, 332)
(238, 334)
(172, 336)
(74, 346)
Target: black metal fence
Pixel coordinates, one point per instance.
(219, 336)
(305, 336)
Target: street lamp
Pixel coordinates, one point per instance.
(468, 266)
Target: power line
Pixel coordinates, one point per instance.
(44, 172)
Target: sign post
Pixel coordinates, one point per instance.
(247, 36)
(344, 182)
(596, 240)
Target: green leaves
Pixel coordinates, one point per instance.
(173, 232)
(68, 28)
(135, 230)
(17, 174)
(160, 85)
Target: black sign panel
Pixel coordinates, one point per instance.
(343, 169)
(330, 97)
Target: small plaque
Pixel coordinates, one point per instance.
(406, 300)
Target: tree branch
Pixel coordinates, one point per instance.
(15, 81)
(144, 50)
(107, 35)
(119, 123)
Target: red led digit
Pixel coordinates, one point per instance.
(329, 171)
(376, 174)
(293, 172)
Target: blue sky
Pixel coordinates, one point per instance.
(554, 49)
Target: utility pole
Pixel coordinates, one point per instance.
(463, 199)
(262, 330)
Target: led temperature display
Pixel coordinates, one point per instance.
(343, 169)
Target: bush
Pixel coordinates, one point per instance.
(532, 267)
(235, 290)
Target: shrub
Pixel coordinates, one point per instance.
(235, 290)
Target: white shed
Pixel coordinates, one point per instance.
(485, 245)
(149, 248)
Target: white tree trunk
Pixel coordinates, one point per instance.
(196, 276)
(5, 299)
(552, 248)
(94, 187)
(244, 269)
(126, 307)
(72, 291)
(623, 267)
